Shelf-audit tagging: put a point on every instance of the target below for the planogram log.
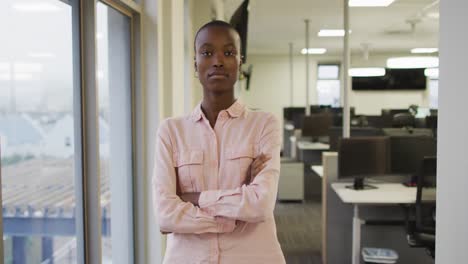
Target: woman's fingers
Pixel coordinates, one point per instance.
(258, 169)
(257, 166)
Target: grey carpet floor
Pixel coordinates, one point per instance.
(298, 228)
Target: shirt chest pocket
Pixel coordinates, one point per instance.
(238, 162)
(189, 170)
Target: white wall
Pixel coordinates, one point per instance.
(201, 14)
(270, 85)
(452, 171)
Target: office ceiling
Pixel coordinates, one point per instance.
(275, 23)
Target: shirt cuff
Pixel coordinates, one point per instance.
(225, 225)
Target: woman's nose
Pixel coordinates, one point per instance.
(218, 60)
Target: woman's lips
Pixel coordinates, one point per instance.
(217, 76)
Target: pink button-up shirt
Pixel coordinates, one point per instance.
(234, 222)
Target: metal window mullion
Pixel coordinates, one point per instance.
(138, 147)
(90, 135)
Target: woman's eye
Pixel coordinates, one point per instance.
(229, 53)
(206, 53)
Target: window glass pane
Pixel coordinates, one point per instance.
(37, 131)
(115, 133)
(328, 92)
(328, 72)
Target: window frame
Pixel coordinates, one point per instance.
(90, 243)
(85, 110)
(339, 78)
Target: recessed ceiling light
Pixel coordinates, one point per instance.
(424, 50)
(331, 33)
(432, 72)
(366, 72)
(413, 62)
(35, 7)
(314, 51)
(369, 3)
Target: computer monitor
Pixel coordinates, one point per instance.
(361, 157)
(374, 121)
(410, 132)
(316, 125)
(339, 110)
(337, 113)
(294, 115)
(316, 109)
(407, 153)
(336, 133)
(289, 112)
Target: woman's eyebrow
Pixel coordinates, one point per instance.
(206, 45)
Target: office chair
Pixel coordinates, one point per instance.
(421, 231)
(403, 120)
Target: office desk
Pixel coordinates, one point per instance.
(385, 194)
(311, 152)
(306, 145)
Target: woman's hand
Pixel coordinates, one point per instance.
(257, 165)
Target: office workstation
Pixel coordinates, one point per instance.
(305, 138)
(374, 189)
(372, 183)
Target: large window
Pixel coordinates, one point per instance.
(115, 133)
(48, 134)
(328, 85)
(38, 131)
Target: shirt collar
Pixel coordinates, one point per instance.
(235, 110)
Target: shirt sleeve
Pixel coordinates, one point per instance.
(254, 202)
(173, 214)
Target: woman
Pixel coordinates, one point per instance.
(217, 169)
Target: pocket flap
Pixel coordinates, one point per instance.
(188, 157)
(240, 152)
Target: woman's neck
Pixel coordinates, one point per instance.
(213, 104)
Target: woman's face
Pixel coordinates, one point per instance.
(217, 58)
